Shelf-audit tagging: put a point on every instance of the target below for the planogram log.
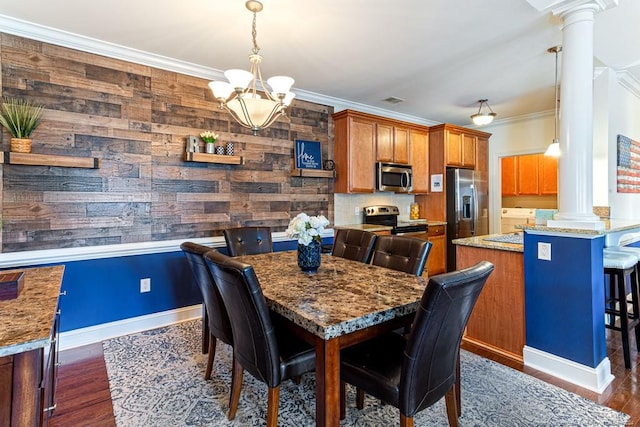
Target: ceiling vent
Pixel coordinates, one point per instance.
(393, 100)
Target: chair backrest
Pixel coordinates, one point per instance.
(401, 253)
(254, 341)
(218, 319)
(356, 245)
(248, 240)
(430, 357)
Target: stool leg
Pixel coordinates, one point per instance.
(624, 320)
(611, 300)
(635, 303)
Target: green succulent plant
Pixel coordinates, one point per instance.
(20, 117)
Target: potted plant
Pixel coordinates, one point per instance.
(20, 117)
(209, 139)
(307, 229)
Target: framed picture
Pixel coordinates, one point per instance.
(308, 154)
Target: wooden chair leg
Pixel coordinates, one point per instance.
(205, 330)
(452, 411)
(212, 354)
(457, 386)
(343, 400)
(236, 385)
(273, 401)
(297, 379)
(405, 421)
(359, 398)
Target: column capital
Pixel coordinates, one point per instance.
(560, 7)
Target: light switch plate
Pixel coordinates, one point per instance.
(544, 251)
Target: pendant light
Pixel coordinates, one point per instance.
(554, 148)
(485, 118)
(239, 96)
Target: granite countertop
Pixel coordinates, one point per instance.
(610, 226)
(341, 297)
(482, 242)
(28, 319)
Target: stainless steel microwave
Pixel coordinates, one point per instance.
(394, 177)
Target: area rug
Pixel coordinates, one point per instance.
(157, 379)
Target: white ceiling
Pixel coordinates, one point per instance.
(440, 56)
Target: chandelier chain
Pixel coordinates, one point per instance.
(254, 34)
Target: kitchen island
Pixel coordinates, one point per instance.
(27, 348)
(497, 323)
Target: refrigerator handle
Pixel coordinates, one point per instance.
(474, 217)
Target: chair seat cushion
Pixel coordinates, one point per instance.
(375, 365)
(619, 260)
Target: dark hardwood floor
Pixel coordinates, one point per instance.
(84, 398)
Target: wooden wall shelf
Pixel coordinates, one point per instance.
(313, 173)
(213, 158)
(30, 159)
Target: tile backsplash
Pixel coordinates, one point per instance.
(345, 205)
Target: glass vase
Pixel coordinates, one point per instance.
(309, 256)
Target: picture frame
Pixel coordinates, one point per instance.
(308, 154)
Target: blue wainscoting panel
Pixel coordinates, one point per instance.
(564, 297)
(108, 289)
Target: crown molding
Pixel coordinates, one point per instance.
(558, 7)
(629, 82)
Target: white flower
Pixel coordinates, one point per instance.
(208, 136)
(307, 228)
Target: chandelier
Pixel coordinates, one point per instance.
(480, 118)
(239, 96)
(554, 148)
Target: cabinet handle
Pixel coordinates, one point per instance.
(50, 408)
(63, 293)
(58, 312)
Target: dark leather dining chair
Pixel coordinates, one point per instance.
(248, 240)
(216, 318)
(401, 253)
(356, 245)
(268, 353)
(414, 373)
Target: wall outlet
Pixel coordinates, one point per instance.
(356, 211)
(544, 251)
(145, 285)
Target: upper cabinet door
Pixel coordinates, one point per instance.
(453, 148)
(548, 175)
(468, 150)
(528, 175)
(401, 145)
(420, 160)
(509, 171)
(384, 142)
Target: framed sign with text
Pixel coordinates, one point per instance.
(308, 154)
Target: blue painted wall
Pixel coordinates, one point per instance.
(564, 298)
(107, 290)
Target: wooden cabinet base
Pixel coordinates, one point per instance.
(497, 323)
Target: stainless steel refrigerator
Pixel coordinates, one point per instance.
(467, 208)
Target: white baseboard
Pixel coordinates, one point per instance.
(596, 379)
(105, 331)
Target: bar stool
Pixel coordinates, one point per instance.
(618, 265)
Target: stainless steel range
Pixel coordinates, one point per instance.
(388, 215)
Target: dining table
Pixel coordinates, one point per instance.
(341, 304)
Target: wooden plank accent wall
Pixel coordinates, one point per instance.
(136, 119)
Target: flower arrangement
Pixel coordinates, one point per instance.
(20, 117)
(307, 228)
(209, 137)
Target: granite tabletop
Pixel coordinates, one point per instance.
(26, 321)
(341, 297)
(501, 242)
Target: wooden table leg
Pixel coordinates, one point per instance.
(327, 382)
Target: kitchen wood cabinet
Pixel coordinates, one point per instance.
(497, 322)
(392, 143)
(28, 370)
(354, 151)
(460, 148)
(529, 175)
(419, 143)
(437, 261)
(509, 173)
(362, 139)
(433, 204)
